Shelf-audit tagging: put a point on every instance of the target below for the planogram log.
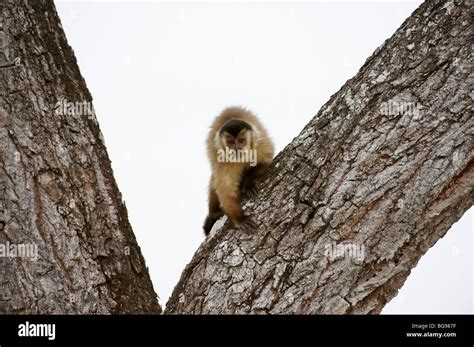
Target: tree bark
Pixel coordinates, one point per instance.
(384, 168)
(57, 190)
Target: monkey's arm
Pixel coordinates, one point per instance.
(233, 210)
(228, 192)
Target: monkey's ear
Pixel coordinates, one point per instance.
(254, 133)
(219, 140)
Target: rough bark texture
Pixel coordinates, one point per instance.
(57, 190)
(356, 175)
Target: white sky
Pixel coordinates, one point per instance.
(159, 71)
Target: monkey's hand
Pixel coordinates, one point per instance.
(246, 224)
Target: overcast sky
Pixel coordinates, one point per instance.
(160, 71)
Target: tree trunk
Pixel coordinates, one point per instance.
(370, 184)
(57, 191)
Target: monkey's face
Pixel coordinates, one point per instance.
(235, 135)
(239, 142)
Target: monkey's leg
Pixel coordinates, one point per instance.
(215, 211)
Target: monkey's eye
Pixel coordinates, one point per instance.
(231, 142)
(241, 140)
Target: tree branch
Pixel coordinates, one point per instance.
(57, 190)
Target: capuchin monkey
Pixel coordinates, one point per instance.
(239, 150)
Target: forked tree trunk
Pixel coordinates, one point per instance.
(387, 185)
(383, 185)
(57, 191)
